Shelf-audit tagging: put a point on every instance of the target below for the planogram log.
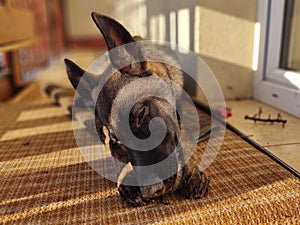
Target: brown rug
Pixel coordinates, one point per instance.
(45, 180)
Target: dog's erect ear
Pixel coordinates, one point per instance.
(87, 80)
(128, 58)
(113, 32)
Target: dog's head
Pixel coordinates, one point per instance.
(134, 69)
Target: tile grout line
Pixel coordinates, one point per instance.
(275, 145)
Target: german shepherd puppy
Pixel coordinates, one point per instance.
(133, 66)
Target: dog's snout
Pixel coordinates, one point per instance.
(152, 191)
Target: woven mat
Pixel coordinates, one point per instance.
(45, 180)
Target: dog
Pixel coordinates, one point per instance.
(133, 67)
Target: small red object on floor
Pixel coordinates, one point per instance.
(223, 112)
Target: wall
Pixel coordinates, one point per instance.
(132, 14)
(226, 40)
(225, 33)
(77, 13)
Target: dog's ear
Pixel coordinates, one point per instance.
(75, 74)
(126, 58)
(87, 80)
(113, 32)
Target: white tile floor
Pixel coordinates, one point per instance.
(283, 142)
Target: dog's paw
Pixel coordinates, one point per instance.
(195, 184)
(131, 195)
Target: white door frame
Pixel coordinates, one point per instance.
(272, 84)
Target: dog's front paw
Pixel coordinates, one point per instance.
(195, 184)
(131, 195)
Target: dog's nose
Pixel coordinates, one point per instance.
(152, 191)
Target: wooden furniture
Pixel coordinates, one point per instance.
(16, 31)
(16, 28)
